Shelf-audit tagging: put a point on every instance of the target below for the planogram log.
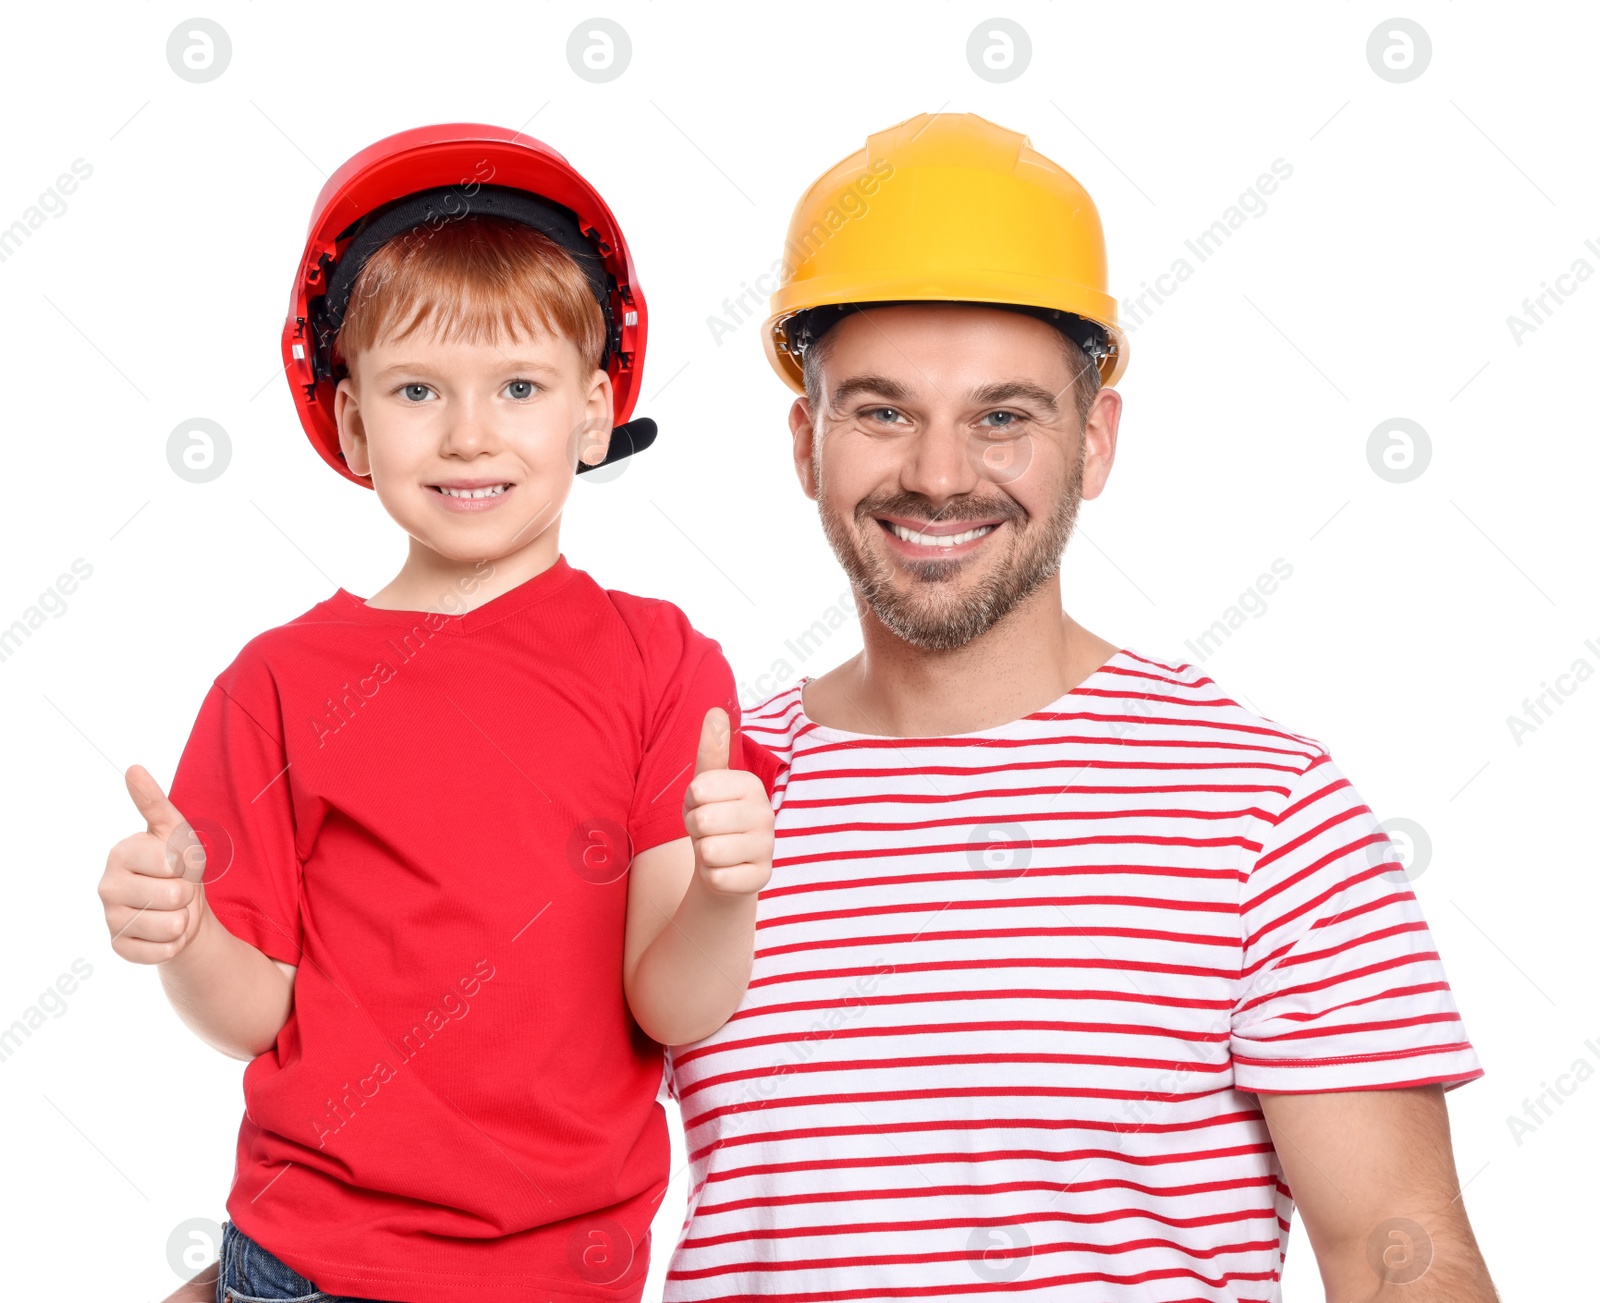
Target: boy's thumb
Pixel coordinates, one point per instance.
(714, 738)
(160, 815)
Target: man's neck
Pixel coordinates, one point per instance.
(1023, 663)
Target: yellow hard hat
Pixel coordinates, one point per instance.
(946, 207)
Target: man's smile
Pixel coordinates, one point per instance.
(921, 540)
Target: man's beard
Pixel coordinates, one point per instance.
(930, 616)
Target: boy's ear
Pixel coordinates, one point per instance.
(599, 415)
(594, 441)
(352, 433)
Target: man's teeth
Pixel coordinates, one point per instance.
(938, 540)
(493, 491)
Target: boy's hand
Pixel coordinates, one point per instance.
(727, 816)
(151, 889)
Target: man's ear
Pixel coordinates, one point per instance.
(804, 431)
(599, 416)
(1100, 441)
(352, 433)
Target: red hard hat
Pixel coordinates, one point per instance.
(428, 176)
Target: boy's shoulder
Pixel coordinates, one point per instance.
(622, 636)
(659, 630)
(329, 619)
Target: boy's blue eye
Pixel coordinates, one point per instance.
(415, 393)
(520, 389)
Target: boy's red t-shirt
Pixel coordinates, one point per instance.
(431, 817)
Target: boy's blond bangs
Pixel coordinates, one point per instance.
(474, 280)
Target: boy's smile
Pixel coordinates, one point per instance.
(472, 495)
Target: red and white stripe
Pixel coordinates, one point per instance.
(1010, 991)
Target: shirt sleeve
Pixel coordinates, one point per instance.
(761, 761)
(1341, 987)
(232, 785)
(686, 675)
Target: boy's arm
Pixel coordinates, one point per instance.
(233, 996)
(692, 902)
(199, 1288)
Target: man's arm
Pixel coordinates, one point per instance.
(1375, 1180)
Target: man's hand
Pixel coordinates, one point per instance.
(727, 816)
(151, 889)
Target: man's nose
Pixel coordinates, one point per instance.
(938, 461)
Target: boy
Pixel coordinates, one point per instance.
(426, 852)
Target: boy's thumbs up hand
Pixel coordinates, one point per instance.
(727, 816)
(151, 889)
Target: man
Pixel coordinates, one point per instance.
(1070, 969)
(1073, 975)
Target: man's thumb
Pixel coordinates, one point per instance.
(714, 731)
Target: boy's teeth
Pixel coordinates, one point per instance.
(938, 540)
(494, 490)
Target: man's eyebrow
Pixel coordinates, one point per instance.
(876, 386)
(1008, 391)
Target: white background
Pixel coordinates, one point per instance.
(1377, 284)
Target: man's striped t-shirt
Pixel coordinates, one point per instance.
(1013, 991)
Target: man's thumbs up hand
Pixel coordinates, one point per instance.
(151, 889)
(727, 816)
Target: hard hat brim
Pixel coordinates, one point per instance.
(980, 290)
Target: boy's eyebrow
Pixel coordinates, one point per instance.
(511, 364)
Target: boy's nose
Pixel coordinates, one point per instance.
(467, 428)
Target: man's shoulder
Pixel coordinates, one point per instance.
(1177, 693)
(774, 721)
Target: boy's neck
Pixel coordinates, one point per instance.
(431, 582)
